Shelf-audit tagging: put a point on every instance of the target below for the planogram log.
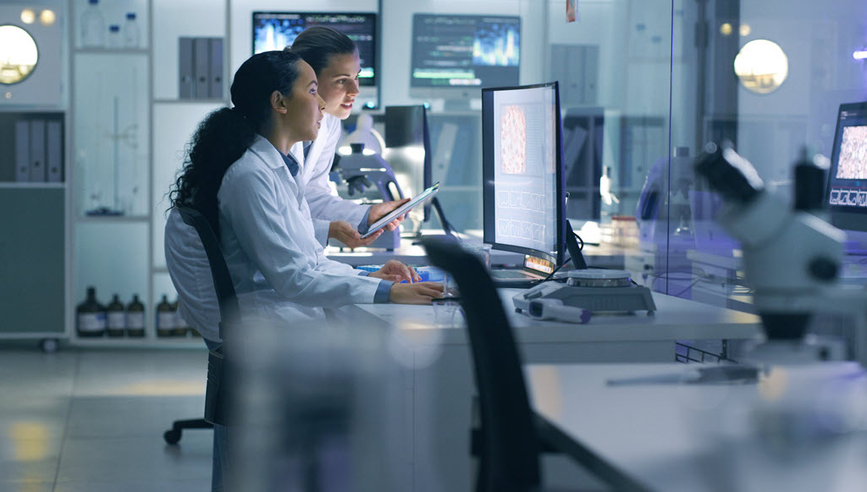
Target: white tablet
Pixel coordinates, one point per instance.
(406, 207)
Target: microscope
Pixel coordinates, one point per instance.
(370, 178)
(791, 257)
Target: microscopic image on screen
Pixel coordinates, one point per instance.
(513, 140)
(852, 163)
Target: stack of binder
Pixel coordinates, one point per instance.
(200, 67)
(38, 151)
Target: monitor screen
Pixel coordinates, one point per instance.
(465, 51)
(847, 177)
(407, 141)
(522, 167)
(276, 30)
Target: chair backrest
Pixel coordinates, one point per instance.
(510, 446)
(225, 289)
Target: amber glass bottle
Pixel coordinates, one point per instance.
(90, 316)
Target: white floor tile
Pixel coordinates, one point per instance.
(108, 416)
(93, 420)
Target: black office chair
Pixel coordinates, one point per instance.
(229, 313)
(510, 440)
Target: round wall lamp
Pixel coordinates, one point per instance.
(761, 66)
(18, 54)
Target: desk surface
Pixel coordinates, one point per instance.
(675, 319)
(688, 437)
(605, 256)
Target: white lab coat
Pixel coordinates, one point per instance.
(191, 275)
(277, 266)
(324, 206)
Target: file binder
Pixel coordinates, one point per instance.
(201, 71)
(54, 152)
(22, 151)
(37, 150)
(216, 68)
(185, 68)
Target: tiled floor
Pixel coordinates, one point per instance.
(93, 420)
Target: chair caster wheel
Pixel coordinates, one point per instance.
(49, 345)
(172, 436)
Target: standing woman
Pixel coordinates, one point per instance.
(334, 58)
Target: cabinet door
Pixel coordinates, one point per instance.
(32, 275)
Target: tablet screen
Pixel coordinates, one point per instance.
(406, 207)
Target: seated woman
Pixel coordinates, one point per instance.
(240, 173)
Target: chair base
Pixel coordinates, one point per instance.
(173, 435)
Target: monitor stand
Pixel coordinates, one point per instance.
(448, 229)
(447, 226)
(457, 105)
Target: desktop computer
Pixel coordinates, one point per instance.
(847, 177)
(523, 190)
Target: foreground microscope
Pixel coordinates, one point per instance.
(791, 257)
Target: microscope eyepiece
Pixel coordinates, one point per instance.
(728, 173)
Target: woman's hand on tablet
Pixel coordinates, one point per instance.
(348, 235)
(380, 210)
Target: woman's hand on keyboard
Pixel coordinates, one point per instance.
(417, 293)
(396, 272)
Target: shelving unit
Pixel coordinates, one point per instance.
(34, 119)
(124, 160)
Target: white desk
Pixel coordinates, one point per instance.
(439, 384)
(675, 319)
(414, 255)
(670, 437)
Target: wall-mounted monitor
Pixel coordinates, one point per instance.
(454, 56)
(276, 30)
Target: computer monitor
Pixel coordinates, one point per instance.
(276, 30)
(408, 151)
(523, 190)
(453, 56)
(847, 177)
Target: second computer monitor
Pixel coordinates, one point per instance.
(276, 30)
(523, 189)
(407, 141)
(453, 56)
(847, 180)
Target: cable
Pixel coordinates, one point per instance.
(554, 271)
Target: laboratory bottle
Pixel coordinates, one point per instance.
(135, 318)
(180, 329)
(130, 31)
(114, 39)
(116, 318)
(90, 316)
(165, 318)
(92, 26)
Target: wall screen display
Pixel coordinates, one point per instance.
(465, 50)
(276, 30)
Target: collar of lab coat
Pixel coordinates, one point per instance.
(263, 148)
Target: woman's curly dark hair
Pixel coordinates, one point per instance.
(226, 134)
